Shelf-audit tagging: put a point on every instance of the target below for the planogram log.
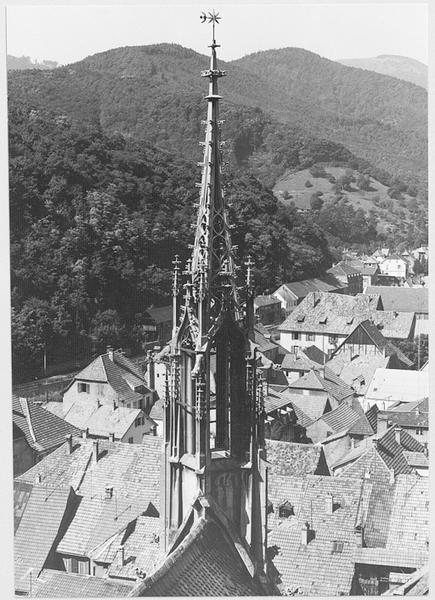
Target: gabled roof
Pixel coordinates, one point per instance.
(58, 584)
(42, 429)
(345, 418)
(38, 531)
(398, 385)
(101, 420)
(343, 268)
(132, 469)
(120, 373)
(323, 379)
(265, 300)
(315, 354)
(410, 414)
(359, 371)
(325, 566)
(300, 289)
(288, 458)
(402, 299)
(205, 563)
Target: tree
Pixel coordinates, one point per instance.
(416, 350)
(316, 201)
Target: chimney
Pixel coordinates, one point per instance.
(95, 451)
(329, 504)
(111, 437)
(359, 534)
(121, 555)
(352, 443)
(305, 533)
(109, 351)
(397, 430)
(109, 492)
(38, 478)
(85, 433)
(68, 443)
(382, 424)
(391, 478)
(154, 429)
(151, 371)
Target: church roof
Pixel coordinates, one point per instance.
(204, 564)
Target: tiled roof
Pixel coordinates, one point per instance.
(157, 410)
(265, 300)
(42, 429)
(372, 417)
(323, 379)
(132, 469)
(58, 584)
(101, 420)
(294, 362)
(97, 519)
(410, 414)
(204, 564)
(416, 459)
(359, 371)
(402, 299)
(361, 427)
(397, 385)
(325, 566)
(395, 325)
(38, 530)
(141, 550)
(262, 342)
(342, 268)
(326, 284)
(341, 418)
(393, 557)
(313, 406)
(288, 458)
(315, 354)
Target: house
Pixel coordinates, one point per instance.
(267, 309)
(394, 266)
(322, 382)
(160, 323)
(36, 433)
(292, 294)
(412, 417)
(361, 353)
(349, 276)
(111, 379)
(406, 299)
(314, 533)
(295, 365)
(104, 421)
(325, 320)
(391, 386)
(389, 450)
(342, 419)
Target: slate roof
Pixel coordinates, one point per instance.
(58, 584)
(101, 420)
(341, 418)
(132, 469)
(398, 385)
(323, 379)
(38, 531)
(319, 568)
(120, 373)
(205, 563)
(402, 299)
(289, 458)
(42, 429)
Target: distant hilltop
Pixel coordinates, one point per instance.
(25, 62)
(402, 67)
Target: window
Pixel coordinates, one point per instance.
(83, 567)
(311, 337)
(332, 339)
(337, 547)
(294, 349)
(139, 421)
(295, 335)
(130, 440)
(74, 565)
(286, 510)
(83, 387)
(419, 431)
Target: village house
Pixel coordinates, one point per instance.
(111, 379)
(325, 320)
(394, 266)
(403, 299)
(267, 309)
(296, 364)
(412, 417)
(292, 294)
(110, 422)
(349, 276)
(391, 386)
(36, 433)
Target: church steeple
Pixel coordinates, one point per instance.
(213, 432)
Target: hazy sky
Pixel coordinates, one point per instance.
(347, 30)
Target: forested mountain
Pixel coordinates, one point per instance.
(25, 62)
(401, 67)
(96, 220)
(154, 93)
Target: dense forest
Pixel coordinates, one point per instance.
(96, 220)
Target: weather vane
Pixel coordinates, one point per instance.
(212, 17)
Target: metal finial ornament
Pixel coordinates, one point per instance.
(212, 17)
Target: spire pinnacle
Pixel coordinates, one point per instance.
(213, 18)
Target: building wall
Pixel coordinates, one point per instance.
(323, 341)
(393, 267)
(135, 433)
(102, 392)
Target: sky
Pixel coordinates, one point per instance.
(347, 30)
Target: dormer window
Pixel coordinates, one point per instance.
(337, 547)
(323, 321)
(286, 510)
(349, 321)
(301, 319)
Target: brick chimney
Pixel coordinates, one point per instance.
(109, 351)
(305, 531)
(95, 451)
(68, 443)
(397, 431)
